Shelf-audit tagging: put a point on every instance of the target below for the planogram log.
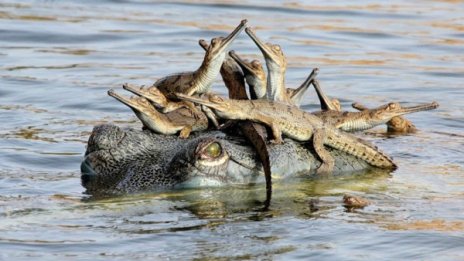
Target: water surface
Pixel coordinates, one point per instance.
(58, 59)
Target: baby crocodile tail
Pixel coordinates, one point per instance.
(359, 148)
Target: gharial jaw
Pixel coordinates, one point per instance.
(219, 45)
(272, 52)
(151, 93)
(388, 111)
(138, 104)
(149, 116)
(212, 62)
(276, 65)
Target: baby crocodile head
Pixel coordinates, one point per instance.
(218, 46)
(272, 52)
(138, 104)
(148, 115)
(254, 75)
(152, 93)
(388, 111)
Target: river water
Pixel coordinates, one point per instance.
(58, 59)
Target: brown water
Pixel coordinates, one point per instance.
(58, 59)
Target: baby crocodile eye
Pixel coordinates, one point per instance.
(255, 64)
(393, 106)
(213, 150)
(276, 47)
(215, 98)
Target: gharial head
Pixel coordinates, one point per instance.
(386, 112)
(272, 52)
(132, 161)
(152, 93)
(218, 46)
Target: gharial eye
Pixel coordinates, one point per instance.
(213, 150)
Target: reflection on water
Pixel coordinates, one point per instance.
(58, 58)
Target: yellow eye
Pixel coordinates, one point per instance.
(213, 150)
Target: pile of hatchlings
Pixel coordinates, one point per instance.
(182, 103)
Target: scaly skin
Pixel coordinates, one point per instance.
(297, 94)
(326, 103)
(298, 125)
(200, 81)
(254, 76)
(255, 133)
(182, 120)
(397, 124)
(233, 77)
(256, 79)
(127, 161)
(276, 66)
(366, 119)
(156, 97)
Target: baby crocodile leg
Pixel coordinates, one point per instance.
(327, 160)
(276, 66)
(150, 117)
(397, 124)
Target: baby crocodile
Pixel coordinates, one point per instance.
(200, 81)
(183, 119)
(366, 119)
(254, 76)
(298, 125)
(397, 124)
(276, 66)
(256, 79)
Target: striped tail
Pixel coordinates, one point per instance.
(359, 148)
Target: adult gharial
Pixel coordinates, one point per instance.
(119, 160)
